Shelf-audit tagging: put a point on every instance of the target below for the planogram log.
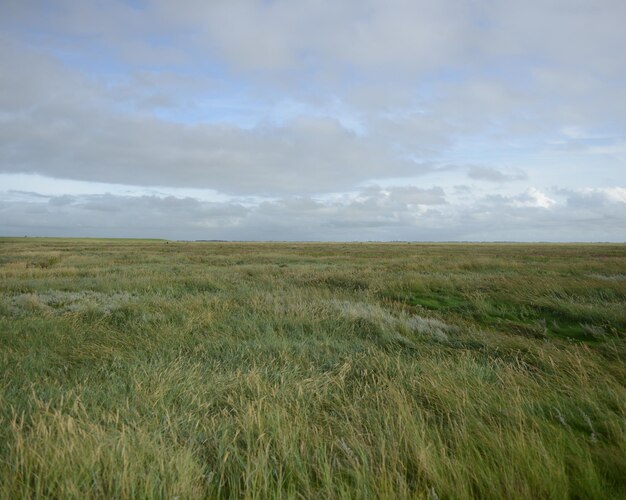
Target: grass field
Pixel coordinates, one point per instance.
(179, 370)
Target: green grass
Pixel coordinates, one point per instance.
(143, 369)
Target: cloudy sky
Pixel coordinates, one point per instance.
(314, 119)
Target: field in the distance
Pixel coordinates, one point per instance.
(154, 369)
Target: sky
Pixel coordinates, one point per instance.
(352, 120)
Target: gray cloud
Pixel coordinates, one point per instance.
(305, 156)
(376, 214)
(58, 122)
(404, 195)
(77, 135)
(403, 35)
(493, 175)
(115, 215)
(612, 199)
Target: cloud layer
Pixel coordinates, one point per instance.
(373, 120)
(397, 213)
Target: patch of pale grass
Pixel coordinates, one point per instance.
(396, 324)
(59, 302)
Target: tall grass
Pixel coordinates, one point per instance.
(138, 369)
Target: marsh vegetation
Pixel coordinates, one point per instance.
(155, 369)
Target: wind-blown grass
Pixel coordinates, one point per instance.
(153, 369)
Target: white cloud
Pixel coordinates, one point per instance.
(533, 197)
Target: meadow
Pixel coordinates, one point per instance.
(154, 369)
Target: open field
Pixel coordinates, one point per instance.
(155, 369)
